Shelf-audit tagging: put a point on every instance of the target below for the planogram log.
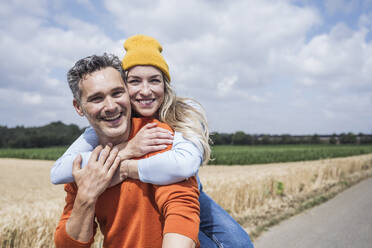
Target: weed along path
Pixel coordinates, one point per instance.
(344, 221)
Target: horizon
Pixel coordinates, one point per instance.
(211, 132)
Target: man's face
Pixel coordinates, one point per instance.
(105, 103)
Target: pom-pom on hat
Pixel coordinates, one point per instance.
(144, 50)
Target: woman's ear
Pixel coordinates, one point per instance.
(78, 107)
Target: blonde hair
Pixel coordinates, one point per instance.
(186, 116)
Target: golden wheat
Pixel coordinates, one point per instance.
(30, 206)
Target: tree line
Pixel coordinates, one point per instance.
(241, 138)
(60, 134)
(53, 134)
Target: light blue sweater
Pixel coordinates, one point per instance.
(178, 164)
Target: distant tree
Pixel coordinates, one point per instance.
(366, 139)
(315, 139)
(348, 138)
(239, 138)
(226, 138)
(53, 134)
(249, 139)
(265, 140)
(3, 134)
(216, 138)
(256, 140)
(333, 139)
(221, 138)
(285, 139)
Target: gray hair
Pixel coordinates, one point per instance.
(88, 65)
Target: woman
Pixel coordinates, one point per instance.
(148, 82)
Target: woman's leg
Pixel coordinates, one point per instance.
(217, 225)
(206, 242)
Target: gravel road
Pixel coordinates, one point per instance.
(342, 222)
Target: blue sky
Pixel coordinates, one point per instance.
(259, 66)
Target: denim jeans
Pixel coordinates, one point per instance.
(218, 228)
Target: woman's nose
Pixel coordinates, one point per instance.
(145, 89)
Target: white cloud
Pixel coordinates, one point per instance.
(32, 98)
(337, 60)
(224, 87)
(257, 60)
(47, 49)
(205, 42)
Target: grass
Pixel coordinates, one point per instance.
(229, 155)
(50, 153)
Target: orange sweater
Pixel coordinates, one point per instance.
(135, 214)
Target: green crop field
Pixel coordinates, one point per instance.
(50, 153)
(230, 155)
(244, 155)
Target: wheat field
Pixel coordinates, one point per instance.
(30, 206)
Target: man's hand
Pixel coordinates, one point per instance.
(149, 139)
(95, 177)
(92, 181)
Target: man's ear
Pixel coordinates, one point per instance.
(78, 107)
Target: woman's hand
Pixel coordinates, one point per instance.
(128, 169)
(149, 139)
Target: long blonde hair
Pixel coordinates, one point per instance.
(186, 116)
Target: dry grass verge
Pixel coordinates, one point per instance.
(262, 195)
(257, 196)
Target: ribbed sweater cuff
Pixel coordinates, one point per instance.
(70, 242)
(186, 227)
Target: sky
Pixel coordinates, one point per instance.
(258, 66)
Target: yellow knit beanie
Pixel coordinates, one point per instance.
(144, 50)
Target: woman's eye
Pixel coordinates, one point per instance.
(134, 81)
(155, 81)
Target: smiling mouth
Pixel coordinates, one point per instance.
(112, 118)
(146, 101)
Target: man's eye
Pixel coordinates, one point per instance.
(117, 94)
(96, 99)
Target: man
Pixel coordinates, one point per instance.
(131, 214)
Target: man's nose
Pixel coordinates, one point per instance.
(110, 104)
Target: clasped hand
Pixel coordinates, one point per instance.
(95, 177)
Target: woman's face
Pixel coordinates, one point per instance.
(146, 90)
